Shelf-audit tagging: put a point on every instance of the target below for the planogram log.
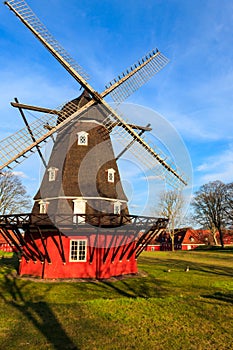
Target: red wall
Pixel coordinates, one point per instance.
(98, 268)
(5, 247)
(190, 246)
(152, 248)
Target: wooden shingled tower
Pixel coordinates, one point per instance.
(82, 175)
(80, 225)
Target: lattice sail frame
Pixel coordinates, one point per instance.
(148, 154)
(141, 74)
(16, 147)
(22, 8)
(123, 87)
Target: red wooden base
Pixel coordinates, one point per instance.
(107, 256)
(46, 250)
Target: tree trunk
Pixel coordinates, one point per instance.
(172, 236)
(173, 245)
(221, 237)
(214, 231)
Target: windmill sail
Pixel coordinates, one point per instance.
(18, 146)
(151, 156)
(26, 15)
(128, 82)
(136, 76)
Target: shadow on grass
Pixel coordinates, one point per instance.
(9, 260)
(141, 286)
(181, 264)
(138, 287)
(214, 249)
(38, 313)
(228, 298)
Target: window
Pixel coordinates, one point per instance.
(111, 175)
(43, 207)
(78, 250)
(79, 208)
(52, 173)
(117, 208)
(82, 138)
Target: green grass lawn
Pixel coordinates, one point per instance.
(159, 310)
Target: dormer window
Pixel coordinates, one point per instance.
(111, 175)
(52, 173)
(117, 208)
(43, 207)
(82, 138)
(79, 209)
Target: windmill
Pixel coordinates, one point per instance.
(80, 224)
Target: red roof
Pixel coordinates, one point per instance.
(193, 236)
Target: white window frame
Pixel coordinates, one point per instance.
(76, 255)
(117, 208)
(52, 173)
(82, 138)
(43, 207)
(111, 175)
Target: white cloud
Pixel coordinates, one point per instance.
(192, 126)
(202, 109)
(20, 174)
(135, 206)
(151, 177)
(217, 167)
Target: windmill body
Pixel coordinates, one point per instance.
(82, 182)
(80, 225)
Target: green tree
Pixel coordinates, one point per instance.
(13, 196)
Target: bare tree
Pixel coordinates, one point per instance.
(170, 207)
(13, 196)
(229, 203)
(209, 206)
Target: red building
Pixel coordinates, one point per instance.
(5, 246)
(187, 239)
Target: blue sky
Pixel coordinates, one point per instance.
(193, 92)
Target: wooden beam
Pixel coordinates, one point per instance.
(31, 133)
(139, 127)
(35, 108)
(133, 126)
(132, 142)
(54, 111)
